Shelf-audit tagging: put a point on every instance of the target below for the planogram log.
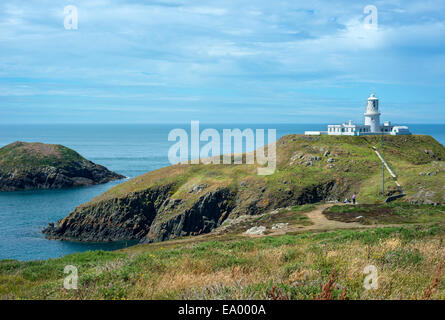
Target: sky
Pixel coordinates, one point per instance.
(224, 61)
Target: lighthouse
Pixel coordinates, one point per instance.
(371, 127)
(372, 114)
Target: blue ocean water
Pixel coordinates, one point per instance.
(130, 150)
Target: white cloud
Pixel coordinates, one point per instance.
(206, 11)
(253, 51)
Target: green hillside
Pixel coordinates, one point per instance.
(355, 167)
(29, 166)
(183, 200)
(19, 156)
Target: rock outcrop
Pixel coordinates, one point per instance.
(153, 215)
(149, 216)
(26, 166)
(206, 214)
(116, 219)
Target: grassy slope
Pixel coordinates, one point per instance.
(19, 156)
(388, 213)
(357, 168)
(230, 267)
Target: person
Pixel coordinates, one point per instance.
(346, 200)
(354, 198)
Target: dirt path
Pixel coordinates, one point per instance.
(319, 223)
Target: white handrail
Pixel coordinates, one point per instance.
(386, 165)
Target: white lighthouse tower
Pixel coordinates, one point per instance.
(372, 115)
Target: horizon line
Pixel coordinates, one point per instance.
(188, 123)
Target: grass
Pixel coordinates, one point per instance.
(295, 266)
(354, 169)
(291, 266)
(294, 215)
(19, 156)
(389, 213)
(355, 161)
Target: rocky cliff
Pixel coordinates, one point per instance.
(147, 215)
(185, 200)
(25, 166)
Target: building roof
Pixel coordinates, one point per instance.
(372, 97)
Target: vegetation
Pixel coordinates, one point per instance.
(20, 156)
(302, 164)
(27, 166)
(319, 256)
(293, 216)
(300, 266)
(388, 213)
(308, 170)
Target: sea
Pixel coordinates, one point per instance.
(128, 149)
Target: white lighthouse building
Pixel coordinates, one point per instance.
(372, 124)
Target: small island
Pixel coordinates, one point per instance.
(27, 166)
